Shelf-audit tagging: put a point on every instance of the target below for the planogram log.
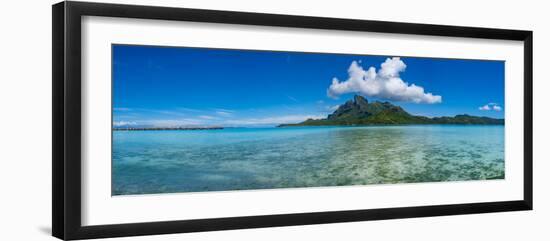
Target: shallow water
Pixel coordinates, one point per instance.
(259, 158)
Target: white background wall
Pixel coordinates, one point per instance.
(25, 101)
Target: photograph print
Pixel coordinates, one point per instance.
(188, 119)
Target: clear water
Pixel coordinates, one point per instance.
(258, 158)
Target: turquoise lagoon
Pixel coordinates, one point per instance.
(146, 162)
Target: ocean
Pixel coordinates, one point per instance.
(174, 161)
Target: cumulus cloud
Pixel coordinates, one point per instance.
(485, 107)
(490, 106)
(384, 83)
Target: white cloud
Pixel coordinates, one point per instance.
(124, 123)
(385, 83)
(121, 109)
(207, 117)
(226, 110)
(288, 119)
(215, 121)
(224, 113)
(169, 112)
(490, 106)
(333, 108)
(174, 123)
(485, 107)
(185, 109)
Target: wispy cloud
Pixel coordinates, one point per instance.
(332, 108)
(168, 112)
(490, 106)
(174, 123)
(217, 117)
(207, 117)
(185, 109)
(292, 98)
(162, 123)
(124, 123)
(274, 120)
(384, 83)
(224, 110)
(148, 111)
(224, 114)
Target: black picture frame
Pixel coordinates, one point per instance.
(66, 164)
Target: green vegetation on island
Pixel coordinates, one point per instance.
(360, 112)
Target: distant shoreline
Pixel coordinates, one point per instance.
(294, 126)
(167, 128)
(390, 124)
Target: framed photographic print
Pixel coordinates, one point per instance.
(170, 120)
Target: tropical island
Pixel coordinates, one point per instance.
(360, 112)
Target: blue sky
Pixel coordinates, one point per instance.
(176, 86)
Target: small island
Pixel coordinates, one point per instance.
(360, 112)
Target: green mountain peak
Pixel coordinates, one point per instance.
(358, 111)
